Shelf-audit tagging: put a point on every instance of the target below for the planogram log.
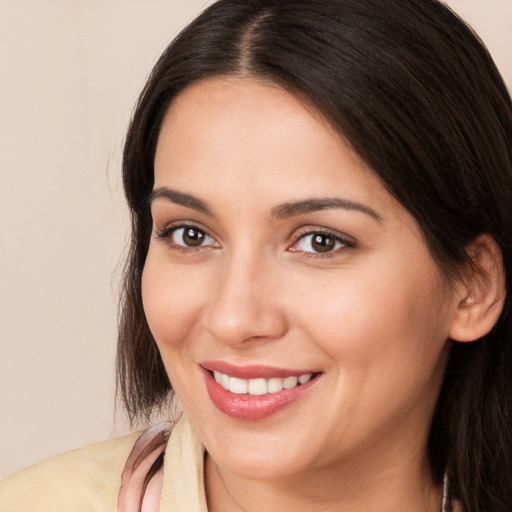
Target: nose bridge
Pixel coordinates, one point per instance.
(243, 304)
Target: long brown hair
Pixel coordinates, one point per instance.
(418, 97)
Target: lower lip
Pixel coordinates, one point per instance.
(252, 407)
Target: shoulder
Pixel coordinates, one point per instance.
(87, 479)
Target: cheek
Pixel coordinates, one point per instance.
(387, 315)
(385, 342)
(172, 303)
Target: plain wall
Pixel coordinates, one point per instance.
(70, 73)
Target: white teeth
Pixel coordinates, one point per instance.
(259, 386)
(224, 380)
(304, 378)
(275, 385)
(238, 386)
(290, 382)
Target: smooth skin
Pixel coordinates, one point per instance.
(247, 265)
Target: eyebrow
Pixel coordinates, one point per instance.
(302, 207)
(283, 211)
(180, 198)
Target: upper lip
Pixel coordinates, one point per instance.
(252, 371)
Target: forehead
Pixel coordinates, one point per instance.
(259, 134)
(212, 107)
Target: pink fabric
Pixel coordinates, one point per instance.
(142, 479)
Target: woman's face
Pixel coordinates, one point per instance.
(277, 257)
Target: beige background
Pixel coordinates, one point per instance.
(69, 76)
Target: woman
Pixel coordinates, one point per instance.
(320, 255)
(282, 163)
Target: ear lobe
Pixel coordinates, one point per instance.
(481, 291)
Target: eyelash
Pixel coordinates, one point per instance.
(165, 234)
(168, 231)
(338, 238)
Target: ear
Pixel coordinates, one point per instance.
(481, 291)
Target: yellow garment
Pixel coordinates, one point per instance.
(183, 489)
(88, 479)
(84, 480)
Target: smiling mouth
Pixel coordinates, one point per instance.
(265, 392)
(259, 386)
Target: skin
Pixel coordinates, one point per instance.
(373, 315)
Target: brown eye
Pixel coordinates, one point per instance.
(323, 243)
(320, 243)
(193, 237)
(189, 236)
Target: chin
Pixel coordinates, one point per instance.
(258, 466)
(256, 455)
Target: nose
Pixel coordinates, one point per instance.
(245, 302)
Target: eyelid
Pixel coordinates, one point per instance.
(347, 241)
(164, 234)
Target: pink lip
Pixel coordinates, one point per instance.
(252, 407)
(252, 371)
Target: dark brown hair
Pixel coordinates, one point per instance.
(418, 97)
